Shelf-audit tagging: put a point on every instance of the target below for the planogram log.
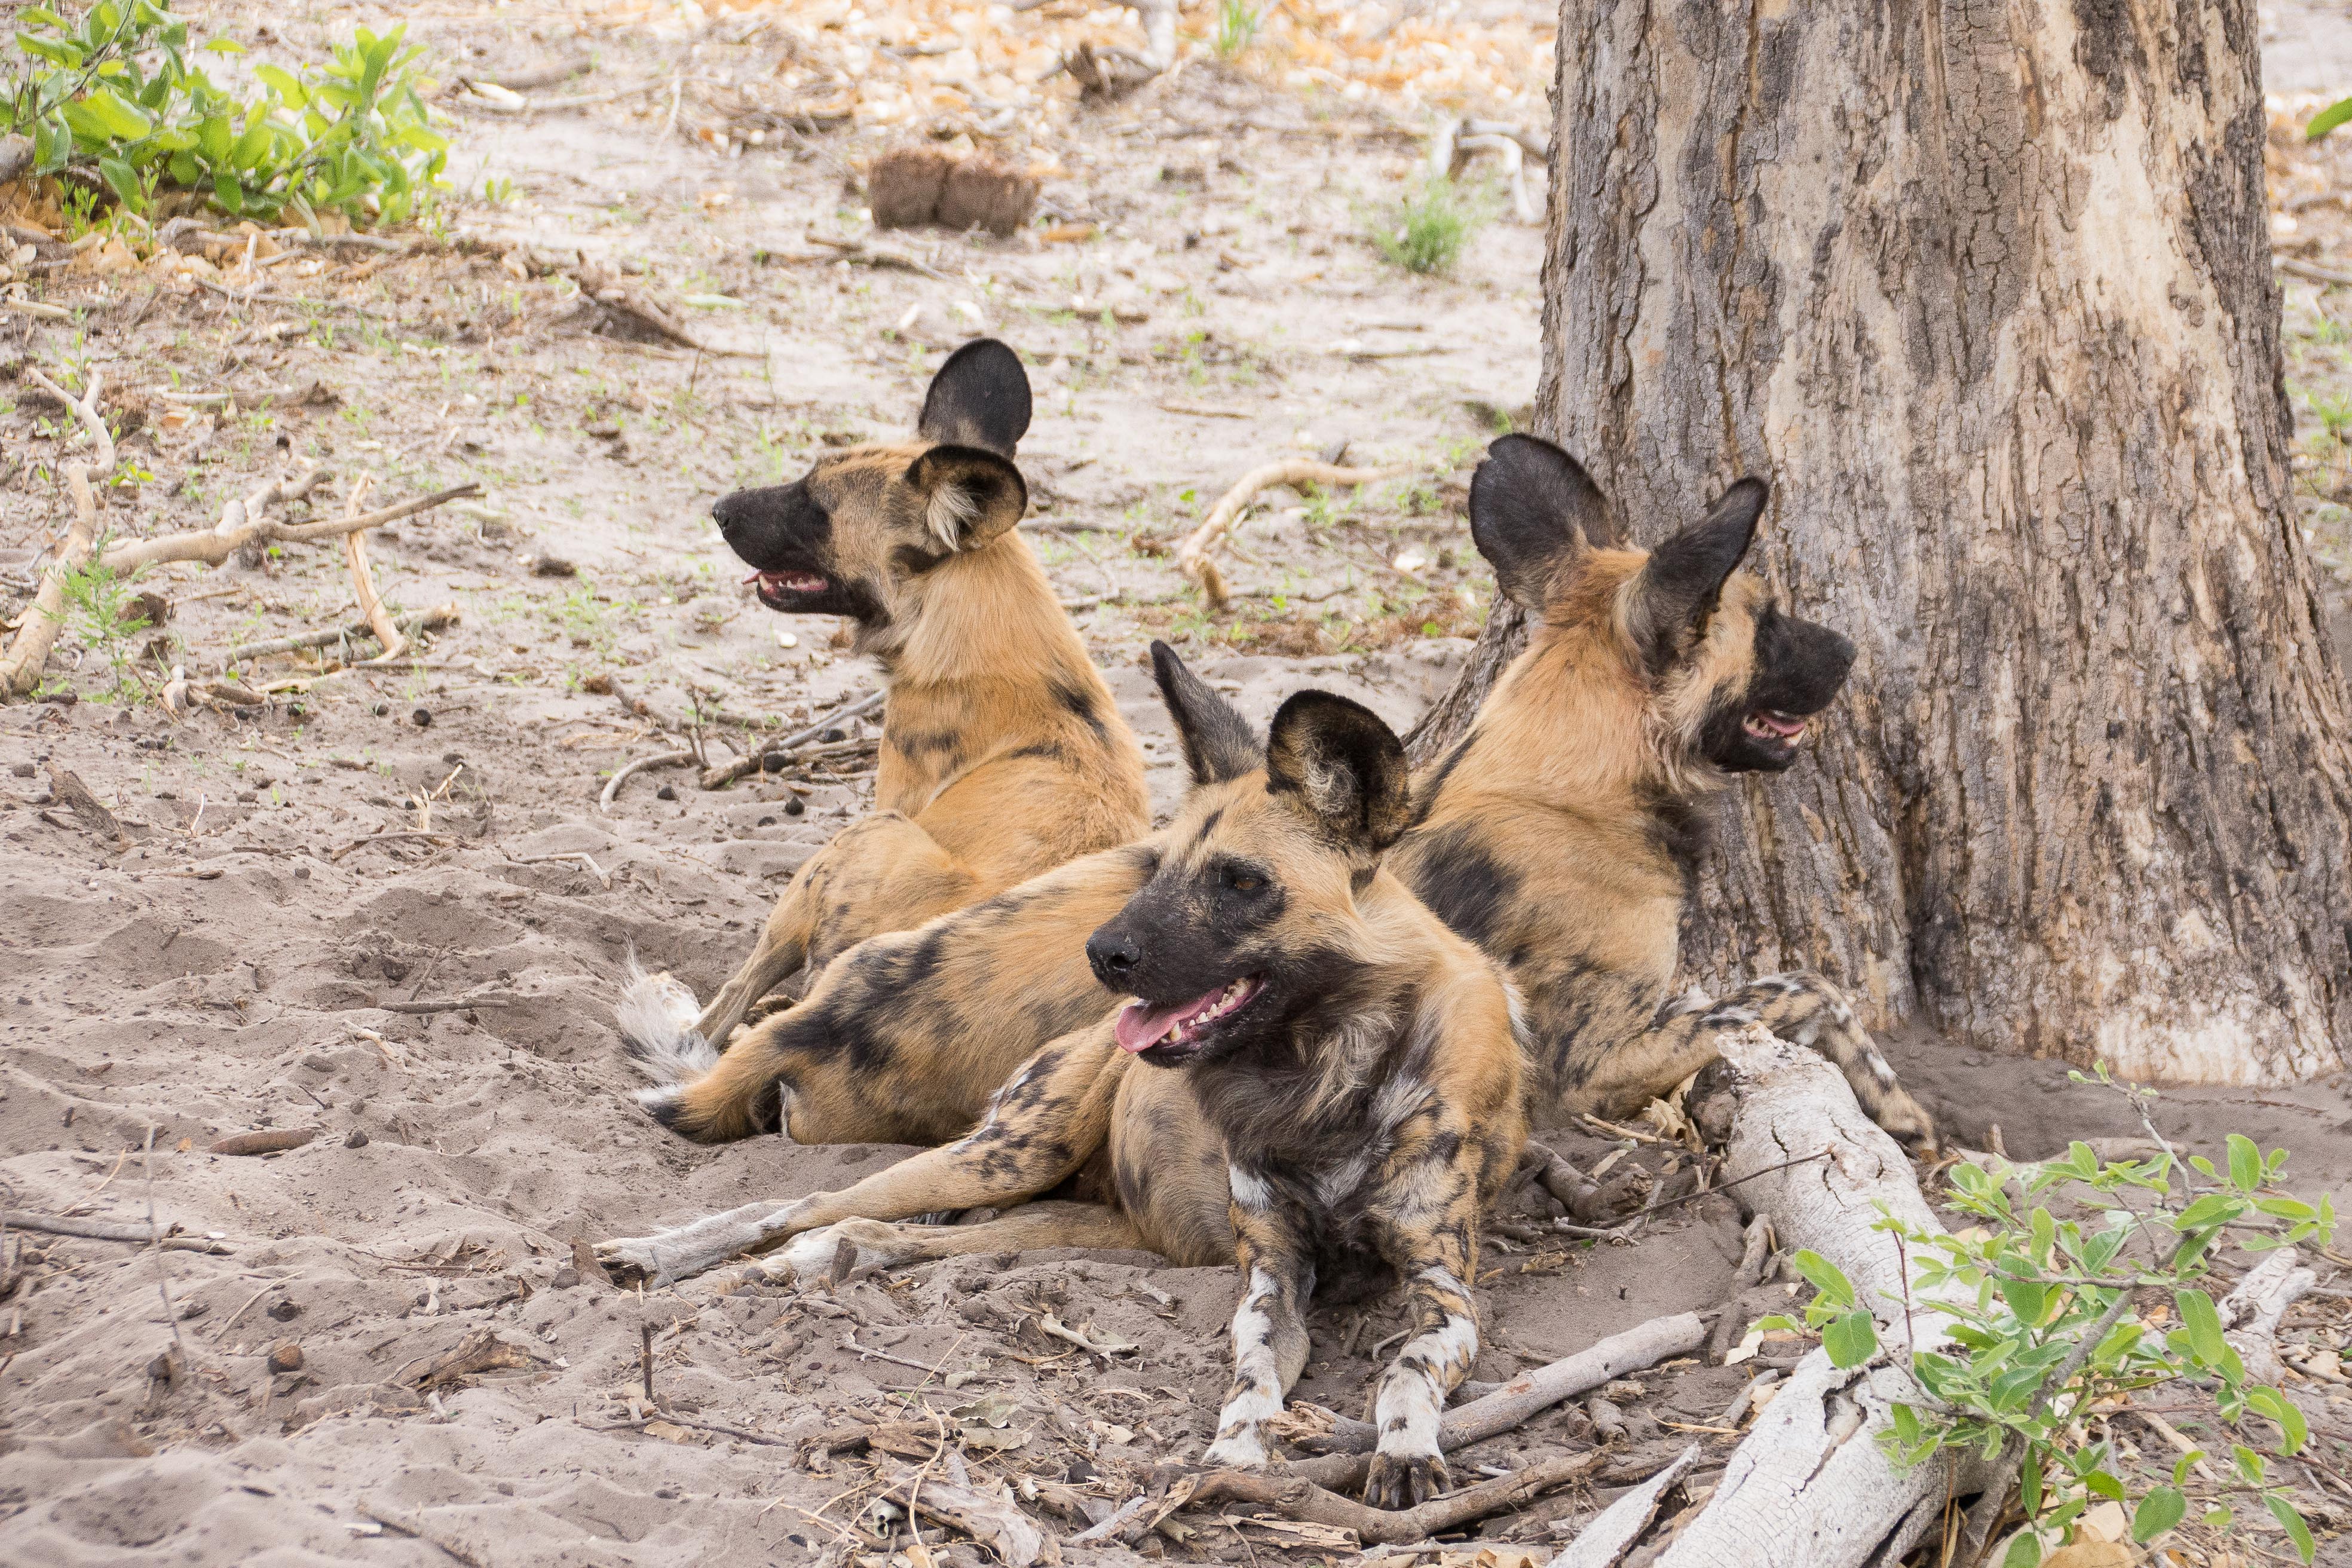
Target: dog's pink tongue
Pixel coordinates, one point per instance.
(1141, 1025)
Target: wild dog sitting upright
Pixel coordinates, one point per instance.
(1345, 1090)
(1002, 754)
(1560, 833)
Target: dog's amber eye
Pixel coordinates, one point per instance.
(1242, 882)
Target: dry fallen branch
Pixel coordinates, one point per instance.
(503, 99)
(1532, 1393)
(481, 1350)
(433, 620)
(87, 807)
(1007, 1530)
(660, 760)
(37, 633)
(1810, 1486)
(806, 737)
(1295, 1497)
(1192, 557)
(2252, 1311)
(104, 1230)
(246, 522)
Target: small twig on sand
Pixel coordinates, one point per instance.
(372, 610)
(414, 1532)
(409, 625)
(36, 630)
(106, 1230)
(742, 767)
(1295, 1497)
(660, 760)
(162, 1280)
(677, 1420)
(577, 858)
(398, 835)
(478, 101)
(457, 1004)
(1192, 557)
(271, 1140)
(2311, 271)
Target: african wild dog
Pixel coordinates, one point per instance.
(1344, 1097)
(1561, 834)
(1555, 835)
(1002, 754)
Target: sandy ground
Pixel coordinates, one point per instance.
(238, 964)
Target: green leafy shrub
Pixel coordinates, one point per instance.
(117, 94)
(1426, 231)
(2044, 1327)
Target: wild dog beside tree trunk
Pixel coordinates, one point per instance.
(1988, 292)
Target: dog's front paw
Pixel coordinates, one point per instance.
(1404, 1480)
(1240, 1450)
(629, 1259)
(766, 1273)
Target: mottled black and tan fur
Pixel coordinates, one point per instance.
(1316, 1076)
(1002, 754)
(1560, 834)
(1556, 836)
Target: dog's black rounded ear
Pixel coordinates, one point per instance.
(969, 495)
(979, 398)
(1532, 510)
(1219, 743)
(1679, 586)
(1347, 765)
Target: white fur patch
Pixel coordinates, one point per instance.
(1260, 1399)
(656, 1015)
(951, 507)
(809, 1254)
(1410, 1400)
(1249, 1190)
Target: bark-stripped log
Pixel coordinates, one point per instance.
(1809, 1487)
(1985, 291)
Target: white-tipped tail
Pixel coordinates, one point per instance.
(656, 1015)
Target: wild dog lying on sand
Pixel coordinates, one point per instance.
(1338, 1084)
(1557, 834)
(1003, 752)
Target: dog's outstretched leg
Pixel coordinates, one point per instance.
(1045, 1123)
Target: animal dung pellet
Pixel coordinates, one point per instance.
(286, 1356)
(910, 187)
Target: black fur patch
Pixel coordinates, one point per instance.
(1532, 509)
(1219, 743)
(979, 398)
(1684, 578)
(1463, 884)
(1080, 704)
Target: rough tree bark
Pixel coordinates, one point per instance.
(1984, 288)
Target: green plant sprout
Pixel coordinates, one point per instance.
(1237, 29)
(1427, 230)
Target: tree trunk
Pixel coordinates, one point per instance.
(1985, 291)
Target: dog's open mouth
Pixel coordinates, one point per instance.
(775, 588)
(1776, 728)
(1168, 1031)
